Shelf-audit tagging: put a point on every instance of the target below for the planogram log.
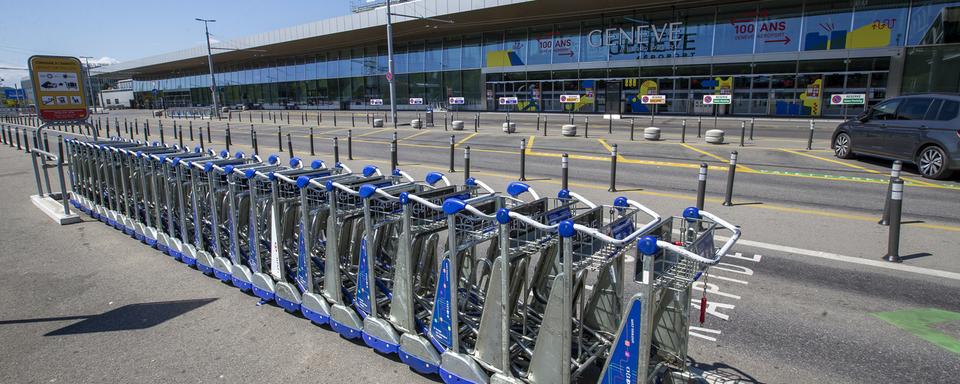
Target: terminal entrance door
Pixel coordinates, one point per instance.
(613, 97)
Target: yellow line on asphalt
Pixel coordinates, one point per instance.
(373, 132)
(530, 143)
(414, 135)
(812, 212)
(702, 152)
(464, 140)
(854, 166)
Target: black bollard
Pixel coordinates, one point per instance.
(163, 140)
(610, 125)
(683, 131)
(476, 123)
(334, 119)
(613, 169)
(279, 140)
(896, 207)
(586, 127)
(393, 153)
(353, 121)
(701, 185)
(743, 131)
(538, 121)
(336, 150)
(810, 138)
(312, 152)
(289, 143)
(228, 140)
(466, 163)
(191, 131)
(752, 120)
(17, 132)
(545, 126)
(202, 148)
(180, 134)
(256, 146)
(632, 125)
(894, 175)
(350, 144)
(523, 159)
(452, 149)
(564, 171)
(730, 174)
(699, 125)
(209, 136)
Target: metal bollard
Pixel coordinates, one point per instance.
(288, 118)
(350, 144)
(752, 120)
(810, 138)
(613, 169)
(730, 174)
(334, 119)
(353, 122)
(279, 140)
(209, 136)
(538, 121)
(743, 131)
(545, 125)
(444, 121)
(46, 143)
(228, 139)
(701, 185)
(586, 127)
(610, 125)
(201, 141)
(632, 124)
(17, 129)
(393, 154)
(289, 143)
(523, 159)
(261, 117)
(452, 149)
(336, 150)
(564, 171)
(683, 132)
(256, 146)
(466, 163)
(191, 131)
(896, 206)
(894, 175)
(699, 125)
(312, 152)
(476, 123)
(181, 138)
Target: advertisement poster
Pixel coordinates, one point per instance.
(58, 88)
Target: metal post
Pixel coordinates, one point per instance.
(336, 150)
(228, 140)
(350, 144)
(538, 121)
(632, 125)
(180, 134)
(466, 163)
(279, 140)
(683, 132)
(209, 136)
(46, 143)
(894, 175)
(289, 145)
(390, 71)
(699, 125)
(730, 174)
(752, 120)
(810, 138)
(393, 153)
(256, 146)
(743, 131)
(451, 153)
(191, 131)
(334, 119)
(613, 169)
(63, 184)
(896, 206)
(586, 127)
(545, 118)
(445, 121)
(17, 129)
(201, 141)
(353, 123)
(610, 125)
(701, 185)
(476, 123)
(523, 159)
(564, 171)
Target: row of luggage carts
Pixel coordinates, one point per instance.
(459, 280)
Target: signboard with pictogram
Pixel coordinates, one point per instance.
(376, 101)
(569, 98)
(848, 99)
(511, 100)
(717, 99)
(58, 88)
(457, 100)
(653, 99)
(416, 101)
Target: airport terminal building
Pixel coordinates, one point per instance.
(776, 58)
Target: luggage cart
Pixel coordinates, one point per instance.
(163, 209)
(176, 188)
(192, 184)
(343, 237)
(215, 215)
(147, 216)
(244, 221)
(286, 238)
(651, 342)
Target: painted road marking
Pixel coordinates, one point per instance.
(850, 259)
(464, 140)
(375, 131)
(413, 135)
(919, 322)
(722, 160)
(854, 166)
(715, 308)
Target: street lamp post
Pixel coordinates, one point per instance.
(213, 79)
(391, 75)
(89, 82)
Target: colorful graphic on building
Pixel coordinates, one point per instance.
(587, 96)
(647, 87)
(872, 33)
(812, 98)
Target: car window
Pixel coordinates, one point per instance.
(933, 110)
(949, 110)
(914, 109)
(885, 111)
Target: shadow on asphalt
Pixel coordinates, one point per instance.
(915, 256)
(723, 373)
(127, 317)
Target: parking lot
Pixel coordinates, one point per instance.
(802, 296)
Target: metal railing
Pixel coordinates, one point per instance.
(44, 164)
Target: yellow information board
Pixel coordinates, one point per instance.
(58, 88)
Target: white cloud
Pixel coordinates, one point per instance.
(213, 40)
(106, 60)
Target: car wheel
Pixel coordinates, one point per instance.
(932, 162)
(842, 147)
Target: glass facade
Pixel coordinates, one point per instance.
(610, 60)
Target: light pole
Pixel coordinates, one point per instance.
(213, 79)
(93, 100)
(391, 75)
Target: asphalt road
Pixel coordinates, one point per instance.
(78, 293)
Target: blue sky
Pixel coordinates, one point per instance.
(112, 30)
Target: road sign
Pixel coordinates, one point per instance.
(717, 99)
(389, 76)
(456, 101)
(569, 98)
(376, 101)
(611, 116)
(512, 100)
(849, 99)
(13, 93)
(653, 99)
(416, 101)
(58, 88)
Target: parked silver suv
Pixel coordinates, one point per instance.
(921, 129)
